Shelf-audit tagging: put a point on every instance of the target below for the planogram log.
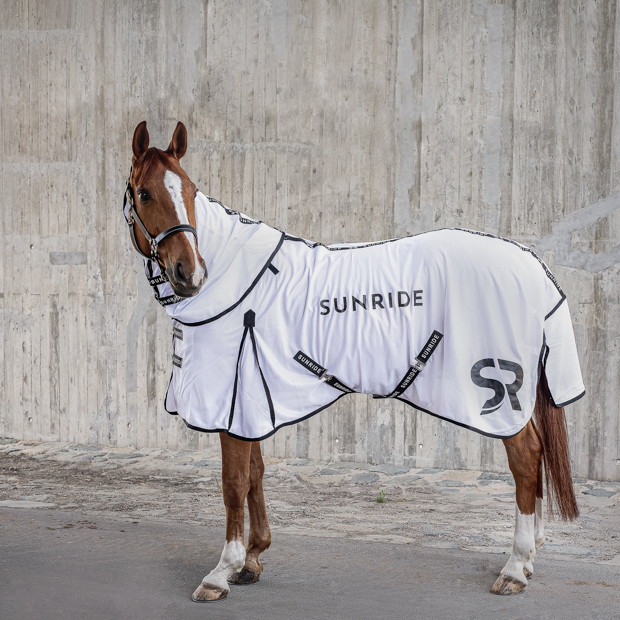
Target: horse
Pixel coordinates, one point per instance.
(160, 209)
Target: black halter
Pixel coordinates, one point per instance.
(132, 218)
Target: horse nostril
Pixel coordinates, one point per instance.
(179, 274)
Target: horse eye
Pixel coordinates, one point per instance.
(143, 195)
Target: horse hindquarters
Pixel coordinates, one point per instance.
(525, 455)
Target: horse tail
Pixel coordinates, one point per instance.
(551, 426)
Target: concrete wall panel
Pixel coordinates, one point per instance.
(335, 120)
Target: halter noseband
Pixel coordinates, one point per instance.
(132, 218)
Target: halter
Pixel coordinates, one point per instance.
(132, 218)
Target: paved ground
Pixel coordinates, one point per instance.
(112, 533)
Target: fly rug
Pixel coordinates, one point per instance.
(269, 329)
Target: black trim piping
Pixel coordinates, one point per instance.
(521, 247)
(258, 277)
(166, 396)
(223, 430)
(572, 400)
(316, 244)
(470, 428)
(234, 394)
(556, 306)
(269, 434)
(249, 323)
(272, 413)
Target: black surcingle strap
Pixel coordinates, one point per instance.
(421, 360)
(315, 368)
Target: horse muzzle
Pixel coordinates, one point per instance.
(185, 283)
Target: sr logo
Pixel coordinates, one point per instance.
(493, 404)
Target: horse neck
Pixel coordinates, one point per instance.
(224, 233)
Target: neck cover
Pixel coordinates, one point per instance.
(454, 323)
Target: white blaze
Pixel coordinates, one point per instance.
(172, 183)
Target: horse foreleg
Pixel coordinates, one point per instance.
(260, 534)
(524, 458)
(235, 487)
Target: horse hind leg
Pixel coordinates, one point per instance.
(539, 523)
(235, 486)
(260, 535)
(524, 458)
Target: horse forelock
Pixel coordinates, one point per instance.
(146, 165)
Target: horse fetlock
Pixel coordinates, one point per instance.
(244, 577)
(253, 564)
(528, 569)
(250, 573)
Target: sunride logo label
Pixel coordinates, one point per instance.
(372, 301)
(501, 389)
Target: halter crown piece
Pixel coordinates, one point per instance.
(132, 218)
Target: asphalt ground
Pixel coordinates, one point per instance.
(94, 532)
(71, 565)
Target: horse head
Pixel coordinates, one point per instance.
(162, 214)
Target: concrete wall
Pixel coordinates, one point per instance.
(352, 120)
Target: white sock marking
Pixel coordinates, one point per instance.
(231, 561)
(172, 183)
(539, 524)
(523, 547)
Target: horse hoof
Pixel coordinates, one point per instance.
(507, 585)
(244, 577)
(209, 594)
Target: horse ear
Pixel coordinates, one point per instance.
(178, 144)
(140, 140)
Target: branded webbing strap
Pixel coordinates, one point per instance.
(420, 361)
(315, 368)
(155, 281)
(177, 333)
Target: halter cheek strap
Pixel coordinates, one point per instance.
(132, 217)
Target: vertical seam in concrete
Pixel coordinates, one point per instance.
(493, 87)
(407, 112)
(279, 25)
(614, 107)
(145, 297)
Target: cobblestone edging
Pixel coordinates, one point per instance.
(432, 507)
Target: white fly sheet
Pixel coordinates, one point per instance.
(453, 322)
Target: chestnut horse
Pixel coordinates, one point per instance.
(163, 227)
